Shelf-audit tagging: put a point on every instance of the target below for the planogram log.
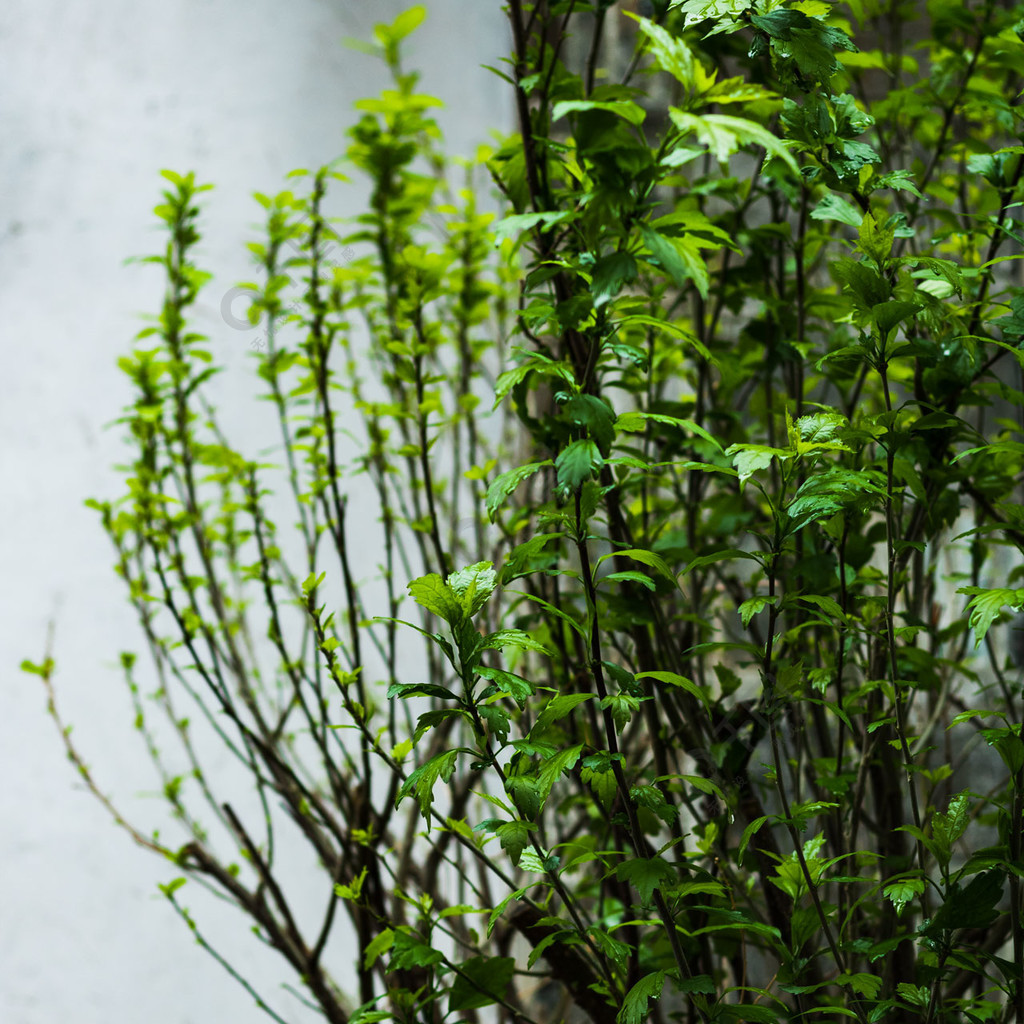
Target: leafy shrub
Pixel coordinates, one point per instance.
(693, 707)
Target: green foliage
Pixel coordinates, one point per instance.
(682, 696)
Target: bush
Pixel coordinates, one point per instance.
(682, 714)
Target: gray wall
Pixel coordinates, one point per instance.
(95, 98)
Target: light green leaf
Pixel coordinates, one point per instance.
(724, 135)
(986, 605)
(673, 679)
(517, 224)
(678, 258)
(832, 207)
(376, 946)
(473, 586)
(631, 111)
(902, 891)
(432, 593)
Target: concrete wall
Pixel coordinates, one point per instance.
(95, 98)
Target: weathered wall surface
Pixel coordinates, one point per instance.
(94, 100)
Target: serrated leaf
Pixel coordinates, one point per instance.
(832, 207)
(645, 875)
(503, 638)
(634, 1006)
(724, 135)
(576, 463)
(896, 180)
(551, 770)
(749, 608)
(432, 593)
(949, 827)
(422, 780)
(473, 586)
(682, 262)
(504, 485)
(409, 950)
(986, 605)
(595, 416)
(556, 709)
(519, 689)
(514, 836)
(749, 458)
(902, 891)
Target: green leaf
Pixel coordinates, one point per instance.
(725, 134)
(627, 109)
(949, 827)
(406, 23)
(629, 577)
(618, 952)
(973, 907)
(419, 690)
(376, 946)
(503, 638)
(473, 586)
(649, 558)
(480, 981)
(888, 315)
(673, 56)
(634, 1006)
(896, 180)
(409, 950)
(552, 768)
(673, 679)
(749, 608)
(500, 909)
(422, 780)
(748, 833)
(518, 688)
(748, 1011)
(514, 837)
(524, 792)
(682, 262)
(610, 273)
(902, 891)
(986, 605)
(645, 875)
(832, 207)
(556, 709)
(517, 223)
(505, 484)
(749, 458)
(808, 42)
(595, 415)
(311, 582)
(432, 593)
(576, 463)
